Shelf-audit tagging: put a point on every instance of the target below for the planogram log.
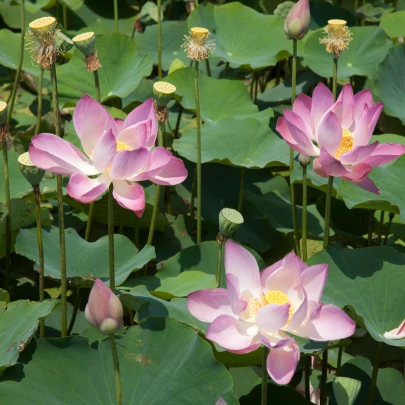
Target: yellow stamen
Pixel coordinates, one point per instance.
(122, 146)
(279, 298)
(346, 144)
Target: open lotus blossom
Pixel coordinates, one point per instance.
(265, 307)
(338, 133)
(118, 151)
(397, 333)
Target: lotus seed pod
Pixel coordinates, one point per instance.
(338, 37)
(85, 43)
(43, 26)
(304, 160)
(229, 221)
(297, 23)
(283, 9)
(32, 173)
(3, 112)
(198, 45)
(163, 93)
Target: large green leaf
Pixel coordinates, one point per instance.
(372, 280)
(394, 24)
(85, 260)
(390, 82)
(366, 51)
(161, 362)
(237, 142)
(243, 37)
(123, 68)
(18, 323)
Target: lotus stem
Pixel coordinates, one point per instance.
(64, 11)
(375, 374)
(381, 227)
(207, 65)
(176, 131)
(75, 309)
(292, 190)
(391, 217)
(8, 217)
(37, 194)
(304, 214)
(226, 70)
(97, 85)
(111, 237)
(307, 377)
(193, 189)
(339, 360)
(199, 188)
(221, 241)
(63, 281)
(324, 377)
(370, 228)
(242, 188)
(159, 23)
(136, 233)
(115, 15)
(334, 82)
(39, 112)
(264, 375)
(118, 389)
(327, 212)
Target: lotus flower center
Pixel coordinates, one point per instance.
(122, 146)
(346, 144)
(279, 298)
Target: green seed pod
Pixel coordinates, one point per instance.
(283, 9)
(32, 173)
(85, 43)
(3, 112)
(229, 221)
(44, 25)
(163, 93)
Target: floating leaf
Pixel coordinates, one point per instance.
(394, 24)
(346, 390)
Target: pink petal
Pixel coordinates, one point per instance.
(397, 333)
(296, 120)
(327, 322)
(368, 185)
(238, 305)
(302, 106)
(361, 100)
(329, 133)
(282, 362)
(130, 196)
(136, 135)
(91, 121)
(207, 305)
(144, 112)
(345, 106)
(272, 317)
(302, 140)
(300, 314)
(358, 172)
(322, 101)
(230, 333)
(364, 126)
(358, 154)
(127, 164)
(330, 165)
(249, 349)
(313, 280)
(221, 401)
(105, 150)
(86, 190)
(119, 122)
(385, 153)
(242, 264)
(158, 158)
(172, 173)
(49, 152)
(97, 306)
(318, 168)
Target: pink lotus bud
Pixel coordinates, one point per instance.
(297, 23)
(104, 310)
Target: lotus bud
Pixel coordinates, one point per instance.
(229, 221)
(304, 160)
(297, 23)
(32, 173)
(104, 310)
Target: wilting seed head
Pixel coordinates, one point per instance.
(338, 37)
(162, 94)
(198, 45)
(42, 42)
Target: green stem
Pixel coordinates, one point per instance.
(75, 309)
(219, 264)
(307, 377)
(97, 85)
(39, 111)
(199, 188)
(370, 228)
(327, 212)
(159, 23)
(37, 194)
(136, 233)
(226, 70)
(63, 281)
(117, 374)
(264, 375)
(176, 131)
(391, 217)
(19, 66)
(157, 194)
(193, 190)
(64, 10)
(8, 217)
(115, 15)
(375, 374)
(207, 65)
(111, 236)
(324, 377)
(197, 3)
(304, 214)
(256, 86)
(334, 82)
(339, 360)
(292, 190)
(381, 228)
(242, 188)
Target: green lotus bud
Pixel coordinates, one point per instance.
(3, 112)
(44, 25)
(229, 221)
(304, 160)
(163, 93)
(297, 23)
(32, 173)
(85, 43)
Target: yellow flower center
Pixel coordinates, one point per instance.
(279, 298)
(122, 146)
(346, 144)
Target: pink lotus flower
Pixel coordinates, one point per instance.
(397, 333)
(121, 152)
(265, 307)
(297, 23)
(338, 134)
(104, 310)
